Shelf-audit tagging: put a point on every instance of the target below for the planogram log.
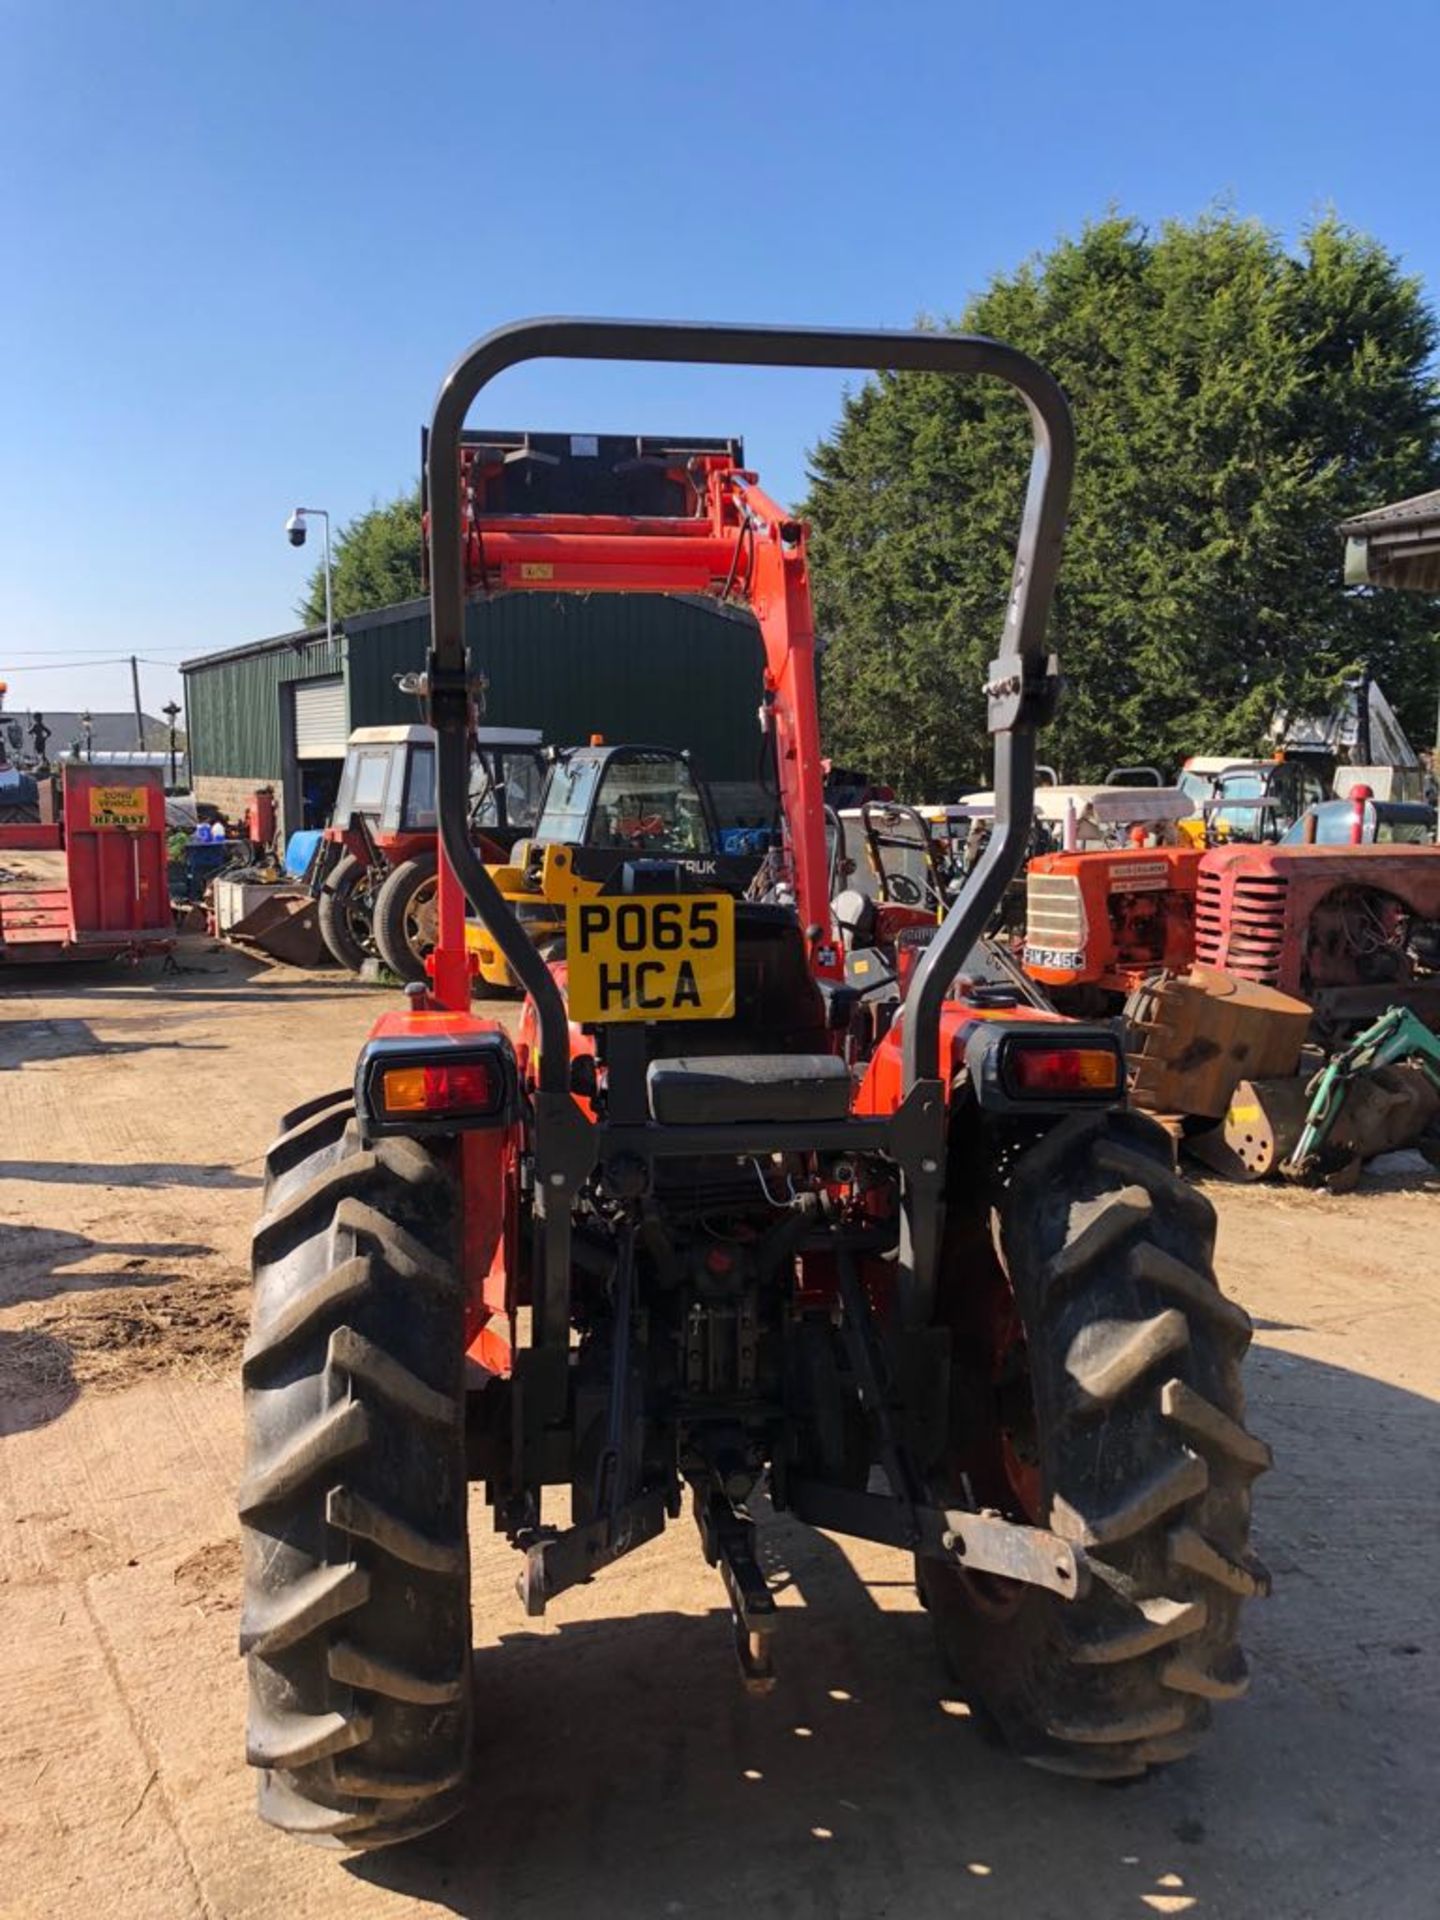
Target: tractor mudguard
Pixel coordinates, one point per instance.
(482, 1136)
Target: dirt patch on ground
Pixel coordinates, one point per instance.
(209, 1578)
(106, 1340)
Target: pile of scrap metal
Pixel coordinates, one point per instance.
(1233, 1059)
(229, 879)
(270, 908)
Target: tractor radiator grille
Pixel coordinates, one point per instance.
(1250, 940)
(1054, 913)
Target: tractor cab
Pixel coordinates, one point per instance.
(607, 815)
(388, 784)
(375, 877)
(1261, 801)
(627, 800)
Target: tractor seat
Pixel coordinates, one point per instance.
(855, 916)
(739, 1088)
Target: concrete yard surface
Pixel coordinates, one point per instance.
(620, 1770)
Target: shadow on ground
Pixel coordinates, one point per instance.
(138, 1173)
(37, 1263)
(24, 1042)
(621, 1770)
(37, 1379)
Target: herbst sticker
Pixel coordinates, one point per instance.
(119, 806)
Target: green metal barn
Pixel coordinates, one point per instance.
(664, 670)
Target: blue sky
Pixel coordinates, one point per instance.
(242, 240)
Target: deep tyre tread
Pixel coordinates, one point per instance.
(320, 1103)
(356, 1617)
(1144, 1460)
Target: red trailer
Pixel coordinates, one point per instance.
(94, 884)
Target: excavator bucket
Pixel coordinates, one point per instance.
(286, 926)
(1262, 1126)
(1386, 1108)
(1194, 1037)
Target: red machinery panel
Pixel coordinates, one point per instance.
(115, 854)
(1350, 929)
(1110, 917)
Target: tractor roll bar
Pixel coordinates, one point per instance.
(1019, 685)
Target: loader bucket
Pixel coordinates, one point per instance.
(1194, 1037)
(286, 927)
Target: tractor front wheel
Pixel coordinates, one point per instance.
(346, 903)
(406, 919)
(1107, 1407)
(356, 1617)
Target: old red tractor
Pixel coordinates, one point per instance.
(695, 1230)
(377, 876)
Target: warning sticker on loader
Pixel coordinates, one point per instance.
(120, 807)
(634, 958)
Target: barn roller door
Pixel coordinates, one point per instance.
(321, 720)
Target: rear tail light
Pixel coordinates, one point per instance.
(1052, 1071)
(469, 1091)
(1020, 1066)
(448, 1084)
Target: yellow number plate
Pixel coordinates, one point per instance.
(638, 958)
(119, 807)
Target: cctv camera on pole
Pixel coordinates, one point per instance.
(296, 529)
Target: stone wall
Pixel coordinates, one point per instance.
(232, 796)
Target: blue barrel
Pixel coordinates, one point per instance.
(300, 850)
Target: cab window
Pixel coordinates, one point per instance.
(524, 784)
(1410, 833)
(650, 802)
(1240, 805)
(1198, 787)
(567, 801)
(419, 814)
(367, 778)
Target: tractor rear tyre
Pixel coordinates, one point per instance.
(346, 912)
(405, 916)
(356, 1617)
(1116, 1420)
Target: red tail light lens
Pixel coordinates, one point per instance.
(464, 1089)
(1054, 1071)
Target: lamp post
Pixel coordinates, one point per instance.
(296, 529)
(171, 711)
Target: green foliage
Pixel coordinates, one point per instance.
(1232, 403)
(376, 561)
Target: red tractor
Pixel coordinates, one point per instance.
(377, 878)
(1099, 922)
(1354, 930)
(696, 1231)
